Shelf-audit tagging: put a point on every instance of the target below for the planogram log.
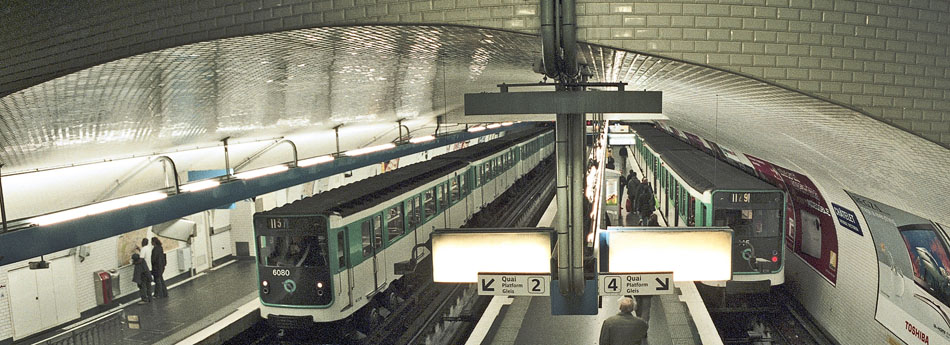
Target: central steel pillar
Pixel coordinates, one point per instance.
(571, 152)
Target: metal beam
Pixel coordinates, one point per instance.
(563, 102)
(31, 242)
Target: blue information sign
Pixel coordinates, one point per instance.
(847, 218)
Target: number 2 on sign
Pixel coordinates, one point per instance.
(535, 284)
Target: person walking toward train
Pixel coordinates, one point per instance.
(625, 328)
(623, 158)
(646, 202)
(158, 268)
(142, 277)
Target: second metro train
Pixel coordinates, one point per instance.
(696, 189)
(326, 257)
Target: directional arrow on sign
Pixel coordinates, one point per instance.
(487, 286)
(664, 285)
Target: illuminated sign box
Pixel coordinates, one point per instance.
(459, 254)
(692, 254)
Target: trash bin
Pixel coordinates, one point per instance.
(104, 292)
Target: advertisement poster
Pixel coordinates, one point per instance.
(810, 232)
(612, 195)
(913, 273)
(390, 165)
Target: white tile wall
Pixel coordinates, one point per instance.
(896, 45)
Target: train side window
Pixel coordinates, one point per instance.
(417, 214)
(341, 248)
(367, 236)
(454, 189)
(378, 231)
(691, 212)
(443, 199)
(394, 222)
(430, 203)
(412, 212)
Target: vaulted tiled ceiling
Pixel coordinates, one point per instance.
(281, 83)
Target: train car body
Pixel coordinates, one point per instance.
(325, 257)
(693, 188)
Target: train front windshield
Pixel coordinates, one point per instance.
(756, 218)
(292, 251)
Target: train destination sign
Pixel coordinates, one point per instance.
(525, 284)
(620, 284)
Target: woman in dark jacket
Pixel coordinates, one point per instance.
(158, 268)
(142, 278)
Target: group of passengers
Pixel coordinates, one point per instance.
(148, 271)
(640, 205)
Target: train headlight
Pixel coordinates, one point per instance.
(319, 285)
(265, 289)
(264, 283)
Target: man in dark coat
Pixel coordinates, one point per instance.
(158, 268)
(624, 328)
(645, 201)
(623, 158)
(142, 277)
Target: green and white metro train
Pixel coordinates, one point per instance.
(325, 257)
(693, 188)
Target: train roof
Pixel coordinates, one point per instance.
(367, 193)
(480, 151)
(697, 168)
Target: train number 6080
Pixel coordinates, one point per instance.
(279, 273)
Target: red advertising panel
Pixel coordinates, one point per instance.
(810, 232)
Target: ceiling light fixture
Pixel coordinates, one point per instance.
(314, 161)
(200, 185)
(247, 175)
(370, 149)
(97, 208)
(422, 139)
(476, 129)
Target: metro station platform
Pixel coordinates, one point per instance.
(192, 305)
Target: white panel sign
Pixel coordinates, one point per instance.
(458, 255)
(620, 284)
(693, 254)
(497, 284)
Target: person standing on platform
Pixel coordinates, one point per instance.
(610, 163)
(624, 328)
(146, 253)
(623, 158)
(646, 202)
(158, 268)
(142, 277)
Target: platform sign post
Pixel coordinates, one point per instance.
(507, 284)
(636, 284)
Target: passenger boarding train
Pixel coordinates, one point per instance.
(693, 188)
(325, 257)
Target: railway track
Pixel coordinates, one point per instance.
(785, 323)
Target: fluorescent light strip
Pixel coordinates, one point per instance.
(370, 149)
(422, 139)
(97, 208)
(314, 161)
(506, 124)
(247, 175)
(476, 129)
(494, 125)
(200, 185)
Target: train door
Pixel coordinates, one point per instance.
(346, 273)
